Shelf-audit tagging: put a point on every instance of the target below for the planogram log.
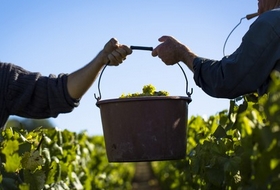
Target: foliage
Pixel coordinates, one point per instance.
(234, 149)
(238, 148)
(29, 124)
(54, 159)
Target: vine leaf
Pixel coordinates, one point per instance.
(220, 132)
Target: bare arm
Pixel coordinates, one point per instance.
(81, 80)
(171, 51)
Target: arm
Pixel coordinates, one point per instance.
(248, 68)
(32, 95)
(81, 80)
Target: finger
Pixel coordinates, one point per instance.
(117, 55)
(164, 38)
(113, 60)
(127, 49)
(122, 52)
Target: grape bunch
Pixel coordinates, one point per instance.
(147, 90)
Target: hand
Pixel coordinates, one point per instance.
(115, 53)
(171, 51)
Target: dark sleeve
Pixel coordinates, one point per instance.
(248, 68)
(34, 96)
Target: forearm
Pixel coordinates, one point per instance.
(81, 80)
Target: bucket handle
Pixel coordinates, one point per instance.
(141, 48)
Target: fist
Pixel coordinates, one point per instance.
(115, 52)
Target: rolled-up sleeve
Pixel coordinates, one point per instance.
(32, 95)
(248, 68)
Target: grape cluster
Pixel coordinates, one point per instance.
(147, 90)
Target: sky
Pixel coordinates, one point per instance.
(61, 36)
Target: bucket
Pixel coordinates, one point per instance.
(146, 128)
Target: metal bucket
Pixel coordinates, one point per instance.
(145, 128)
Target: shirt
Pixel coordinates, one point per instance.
(248, 69)
(31, 95)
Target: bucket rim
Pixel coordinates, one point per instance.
(143, 98)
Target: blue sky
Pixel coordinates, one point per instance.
(61, 36)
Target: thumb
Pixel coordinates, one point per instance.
(155, 52)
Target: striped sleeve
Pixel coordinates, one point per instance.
(32, 95)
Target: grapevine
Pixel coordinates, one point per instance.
(236, 148)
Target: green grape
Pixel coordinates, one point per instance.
(147, 90)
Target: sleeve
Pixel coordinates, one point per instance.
(35, 96)
(248, 68)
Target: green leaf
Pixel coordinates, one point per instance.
(10, 147)
(24, 186)
(12, 157)
(220, 132)
(36, 180)
(32, 160)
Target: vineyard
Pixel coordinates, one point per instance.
(238, 148)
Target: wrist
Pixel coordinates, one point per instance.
(188, 58)
(102, 58)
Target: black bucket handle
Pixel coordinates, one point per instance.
(141, 48)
